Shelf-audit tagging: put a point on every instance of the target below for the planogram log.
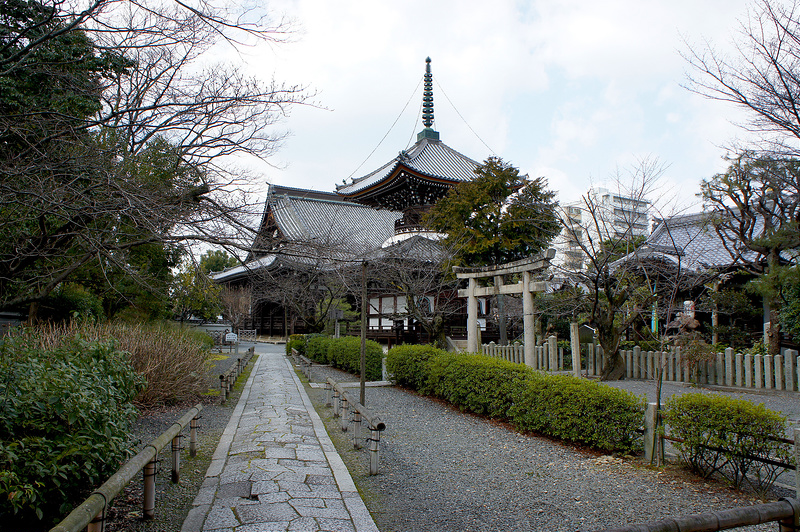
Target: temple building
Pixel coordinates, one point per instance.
(376, 217)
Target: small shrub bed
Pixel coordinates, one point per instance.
(562, 407)
(725, 435)
(65, 412)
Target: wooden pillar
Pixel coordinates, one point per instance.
(472, 317)
(527, 320)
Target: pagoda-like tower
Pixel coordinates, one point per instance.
(418, 177)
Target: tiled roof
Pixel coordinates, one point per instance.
(317, 228)
(690, 238)
(432, 158)
(331, 222)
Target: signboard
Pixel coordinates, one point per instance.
(231, 337)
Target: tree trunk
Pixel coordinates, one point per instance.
(614, 369)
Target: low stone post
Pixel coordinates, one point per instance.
(739, 375)
(758, 369)
(768, 371)
(777, 368)
(748, 370)
(552, 351)
(575, 343)
(729, 366)
(328, 389)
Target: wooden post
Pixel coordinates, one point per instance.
(193, 436)
(374, 443)
(357, 429)
(149, 499)
(176, 459)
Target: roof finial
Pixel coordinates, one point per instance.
(427, 96)
(427, 106)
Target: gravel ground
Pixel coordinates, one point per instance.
(442, 470)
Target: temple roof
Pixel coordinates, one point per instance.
(309, 227)
(430, 161)
(689, 240)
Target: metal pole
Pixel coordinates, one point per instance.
(176, 459)
(149, 501)
(364, 309)
(193, 437)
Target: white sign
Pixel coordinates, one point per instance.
(231, 337)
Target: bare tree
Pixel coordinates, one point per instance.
(237, 304)
(115, 137)
(616, 294)
(761, 76)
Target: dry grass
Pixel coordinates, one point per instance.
(172, 359)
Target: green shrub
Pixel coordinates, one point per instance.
(408, 364)
(476, 383)
(345, 354)
(297, 342)
(725, 435)
(317, 348)
(578, 410)
(65, 413)
(562, 407)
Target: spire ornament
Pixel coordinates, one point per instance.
(427, 106)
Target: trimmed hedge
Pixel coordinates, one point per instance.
(724, 435)
(408, 364)
(317, 349)
(345, 354)
(562, 407)
(297, 342)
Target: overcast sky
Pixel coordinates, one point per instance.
(572, 90)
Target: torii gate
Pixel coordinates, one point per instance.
(527, 267)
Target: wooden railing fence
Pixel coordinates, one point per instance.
(91, 513)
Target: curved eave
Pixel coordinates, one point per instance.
(393, 180)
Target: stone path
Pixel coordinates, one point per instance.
(275, 468)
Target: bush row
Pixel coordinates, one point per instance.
(343, 353)
(65, 412)
(726, 436)
(559, 406)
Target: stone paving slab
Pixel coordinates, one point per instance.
(275, 468)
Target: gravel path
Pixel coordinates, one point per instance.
(442, 470)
